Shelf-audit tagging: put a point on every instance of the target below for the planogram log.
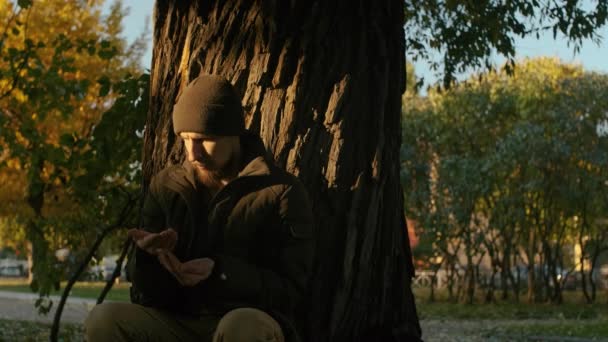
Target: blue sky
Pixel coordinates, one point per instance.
(591, 56)
(134, 24)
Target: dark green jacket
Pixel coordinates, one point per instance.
(258, 229)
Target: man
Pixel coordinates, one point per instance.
(226, 246)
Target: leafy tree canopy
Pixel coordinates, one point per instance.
(525, 152)
(467, 33)
(72, 103)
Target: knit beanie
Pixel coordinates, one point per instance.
(209, 105)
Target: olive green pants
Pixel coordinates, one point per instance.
(133, 322)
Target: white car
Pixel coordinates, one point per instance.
(108, 264)
(13, 268)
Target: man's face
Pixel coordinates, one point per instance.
(209, 153)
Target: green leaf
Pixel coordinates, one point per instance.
(55, 155)
(24, 3)
(67, 139)
(107, 53)
(105, 84)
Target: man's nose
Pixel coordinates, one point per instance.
(195, 153)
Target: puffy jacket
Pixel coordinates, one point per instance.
(258, 229)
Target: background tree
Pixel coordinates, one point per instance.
(458, 36)
(519, 163)
(64, 76)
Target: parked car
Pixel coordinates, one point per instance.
(13, 268)
(568, 279)
(12, 271)
(108, 265)
(600, 278)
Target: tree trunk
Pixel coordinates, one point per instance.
(469, 280)
(490, 298)
(433, 286)
(515, 281)
(30, 261)
(505, 271)
(594, 258)
(37, 246)
(451, 279)
(531, 274)
(321, 82)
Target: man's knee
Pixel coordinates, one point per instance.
(246, 325)
(102, 322)
(117, 322)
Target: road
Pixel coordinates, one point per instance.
(20, 306)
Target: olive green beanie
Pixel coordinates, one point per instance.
(209, 105)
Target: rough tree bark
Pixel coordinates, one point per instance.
(321, 81)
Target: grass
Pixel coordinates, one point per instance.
(501, 311)
(573, 307)
(522, 321)
(119, 292)
(596, 329)
(32, 331)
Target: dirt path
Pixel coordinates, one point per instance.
(20, 306)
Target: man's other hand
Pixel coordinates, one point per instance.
(188, 273)
(153, 242)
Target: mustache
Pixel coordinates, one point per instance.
(202, 164)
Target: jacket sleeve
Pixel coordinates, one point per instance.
(282, 287)
(152, 284)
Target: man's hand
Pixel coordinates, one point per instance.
(154, 242)
(188, 273)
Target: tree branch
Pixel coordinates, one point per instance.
(128, 244)
(119, 222)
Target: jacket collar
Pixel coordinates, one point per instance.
(256, 161)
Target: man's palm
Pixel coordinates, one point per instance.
(153, 243)
(190, 272)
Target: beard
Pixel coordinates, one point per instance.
(212, 178)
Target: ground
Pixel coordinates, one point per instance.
(441, 321)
